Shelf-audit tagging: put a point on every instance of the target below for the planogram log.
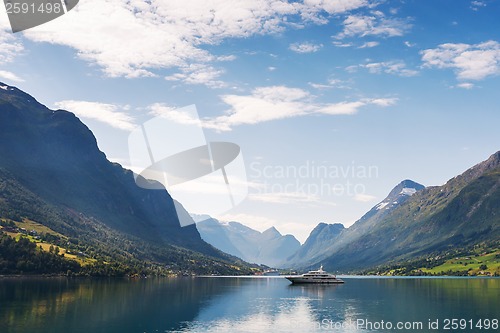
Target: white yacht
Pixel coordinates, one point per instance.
(319, 276)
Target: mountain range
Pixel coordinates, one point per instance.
(52, 172)
(412, 222)
(53, 175)
(269, 248)
(328, 238)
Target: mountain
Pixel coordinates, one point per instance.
(399, 194)
(326, 239)
(270, 247)
(321, 238)
(462, 213)
(52, 172)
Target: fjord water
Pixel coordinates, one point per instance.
(211, 304)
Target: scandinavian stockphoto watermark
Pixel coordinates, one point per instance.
(313, 179)
(26, 14)
(171, 152)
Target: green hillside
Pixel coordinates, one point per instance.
(52, 173)
(480, 260)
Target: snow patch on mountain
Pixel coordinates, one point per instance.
(382, 205)
(408, 191)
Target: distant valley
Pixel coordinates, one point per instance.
(414, 231)
(269, 248)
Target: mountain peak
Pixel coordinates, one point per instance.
(406, 187)
(320, 238)
(272, 232)
(269, 247)
(491, 163)
(24, 101)
(397, 196)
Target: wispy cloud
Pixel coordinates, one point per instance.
(341, 44)
(6, 75)
(368, 45)
(465, 85)
(113, 115)
(173, 114)
(199, 74)
(389, 67)
(285, 198)
(280, 102)
(262, 105)
(373, 25)
(470, 62)
(364, 197)
(306, 47)
(320, 86)
(330, 84)
(10, 46)
(164, 34)
(476, 5)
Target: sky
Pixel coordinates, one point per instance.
(332, 102)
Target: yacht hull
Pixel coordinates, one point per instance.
(302, 280)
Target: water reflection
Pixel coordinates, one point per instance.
(99, 305)
(351, 307)
(237, 304)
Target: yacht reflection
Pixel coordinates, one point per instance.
(316, 290)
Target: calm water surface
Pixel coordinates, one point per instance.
(246, 305)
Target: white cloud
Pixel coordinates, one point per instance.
(320, 86)
(334, 6)
(169, 34)
(364, 197)
(280, 102)
(384, 102)
(331, 83)
(388, 67)
(311, 9)
(199, 74)
(368, 45)
(340, 44)
(110, 114)
(10, 46)
(465, 85)
(271, 68)
(173, 114)
(346, 108)
(6, 75)
(470, 62)
(265, 104)
(475, 5)
(375, 25)
(285, 198)
(305, 47)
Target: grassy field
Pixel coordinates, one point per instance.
(40, 229)
(473, 264)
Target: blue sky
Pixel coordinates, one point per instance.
(372, 91)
